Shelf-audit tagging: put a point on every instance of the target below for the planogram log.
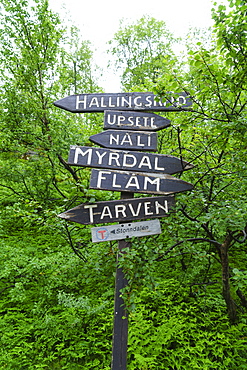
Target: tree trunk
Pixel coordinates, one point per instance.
(231, 307)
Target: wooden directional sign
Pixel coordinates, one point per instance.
(137, 182)
(120, 210)
(117, 139)
(122, 120)
(122, 231)
(124, 160)
(140, 101)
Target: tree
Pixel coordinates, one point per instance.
(142, 50)
(41, 278)
(218, 90)
(56, 308)
(209, 227)
(35, 135)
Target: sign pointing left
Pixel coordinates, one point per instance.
(141, 101)
(122, 231)
(120, 210)
(119, 139)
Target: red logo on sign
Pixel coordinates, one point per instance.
(102, 234)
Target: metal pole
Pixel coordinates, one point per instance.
(120, 326)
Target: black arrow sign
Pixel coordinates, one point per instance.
(137, 182)
(125, 160)
(134, 121)
(117, 139)
(140, 101)
(120, 210)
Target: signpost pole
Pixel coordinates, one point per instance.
(129, 127)
(120, 325)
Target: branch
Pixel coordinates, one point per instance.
(207, 172)
(78, 253)
(237, 240)
(187, 240)
(218, 88)
(242, 298)
(68, 168)
(10, 188)
(204, 226)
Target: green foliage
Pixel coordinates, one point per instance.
(35, 136)
(142, 50)
(168, 333)
(57, 309)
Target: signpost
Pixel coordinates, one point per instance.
(118, 139)
(129, 126)
(122, 231)
(134, 121)
(137, 182)
(120, 210)
(86, 103)
(125, 160)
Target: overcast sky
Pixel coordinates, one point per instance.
(98, 20)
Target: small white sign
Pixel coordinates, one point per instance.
(126, 230)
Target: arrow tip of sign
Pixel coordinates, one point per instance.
(64, 215)
(187, 166)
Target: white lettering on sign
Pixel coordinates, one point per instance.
(100, 156)
(113, 119)
(156, 165)
(155, 182)
(101, 177)
(83, 102)
(138, 208)
(149, 100)
(135, 101)
(88, 152)
(113, 139)
(129, 158)
(90, 207)
(139, 141)
(145, 162)
(113, 157)
(146, 208)
(133, 182)
(114, 181)
(106, 212)
(120, 209)
(158, 206)
(110, 102)
(85, 156)
(126, 140)
(102, 103)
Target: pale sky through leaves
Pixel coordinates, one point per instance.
(98, 20)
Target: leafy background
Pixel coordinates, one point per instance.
(187, 287)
